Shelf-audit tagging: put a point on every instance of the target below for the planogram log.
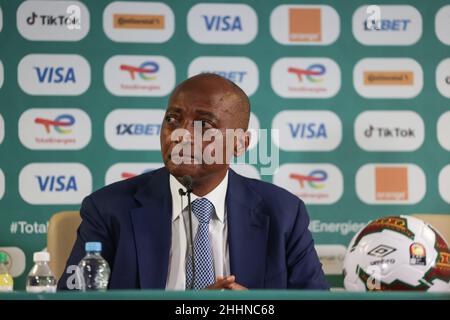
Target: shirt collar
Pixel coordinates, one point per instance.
(216, 196)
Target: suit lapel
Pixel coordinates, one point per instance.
(248, 231)
(152, 230)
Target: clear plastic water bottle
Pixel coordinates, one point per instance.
(94, 270)
(6, 280)
(41, 278)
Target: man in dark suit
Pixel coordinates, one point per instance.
(245, 233)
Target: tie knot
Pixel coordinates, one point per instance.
(203, 209)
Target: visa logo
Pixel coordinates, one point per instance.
(57, 183)
(222, 23)
(308, 130)
(55, 75)
(390, 24)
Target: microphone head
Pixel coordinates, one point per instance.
(187, 182)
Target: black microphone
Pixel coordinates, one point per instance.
(187, 182)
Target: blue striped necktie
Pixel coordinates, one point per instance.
(203, 209)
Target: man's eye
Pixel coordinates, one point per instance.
(170, 119)
(206, 124)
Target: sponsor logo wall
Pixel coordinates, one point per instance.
(361, 104)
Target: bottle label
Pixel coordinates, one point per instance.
(6, 288)
(41, 289)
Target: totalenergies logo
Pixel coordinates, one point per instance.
(146, 70)
(313, 179)
(311, 73)
(60, 123)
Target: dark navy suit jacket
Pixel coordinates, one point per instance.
(270, 245)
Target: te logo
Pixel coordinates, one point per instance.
(57, 183)
(145, 71)
(312, 73)
(373, 21)
(59, 124)
(313, 179)
(55, 75)
(222, 23)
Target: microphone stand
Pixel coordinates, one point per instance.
(187, 183)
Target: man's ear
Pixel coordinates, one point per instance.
(242, 141)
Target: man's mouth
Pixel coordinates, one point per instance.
(184, 159)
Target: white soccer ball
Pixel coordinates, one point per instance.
(397, 253)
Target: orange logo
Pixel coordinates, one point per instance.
(387, 78)
(305, 25)
(391, 183)
(138, 21)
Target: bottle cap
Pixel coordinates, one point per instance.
(93, 246)
(3, 257)
(41, 256)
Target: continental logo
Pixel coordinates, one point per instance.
(138, 21)
(398, 78)
(388, 78)
(393, 223)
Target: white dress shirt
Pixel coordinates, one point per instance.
(179, 250)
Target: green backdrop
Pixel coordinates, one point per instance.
(98, 102)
